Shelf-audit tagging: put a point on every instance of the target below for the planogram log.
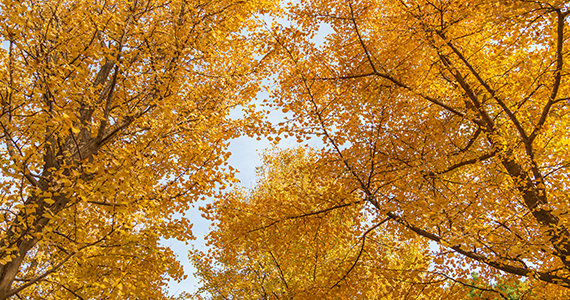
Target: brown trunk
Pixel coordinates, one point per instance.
(9, 270)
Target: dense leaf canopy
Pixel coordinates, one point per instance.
(114, 117)
(448, 121)
(300, 234)
(444, 128)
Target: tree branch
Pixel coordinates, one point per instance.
(468, 162)
(489, 124)
(280, 271)
(487, 87)
(557, 77)
(361, 250)
(563, 281)
(306, 215)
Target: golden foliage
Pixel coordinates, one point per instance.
(443, 122)
(447, 118)
(114, 119)
(301, 234)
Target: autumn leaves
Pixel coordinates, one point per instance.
(114, 118)
(441, 118)
(443, 123)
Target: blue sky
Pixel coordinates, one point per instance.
(245, 158)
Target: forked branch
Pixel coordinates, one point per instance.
(561, 16)
(461, 249)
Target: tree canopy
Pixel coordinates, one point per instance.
(114, 118)
(300, 234)
(447, 120)
(444, 128)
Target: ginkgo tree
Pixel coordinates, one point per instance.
(450, 119)
(299, 233)
(302, 233)
(114, 117)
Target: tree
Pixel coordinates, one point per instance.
(300, 234)
(114, 118)
(510, 291)
(449, 118)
